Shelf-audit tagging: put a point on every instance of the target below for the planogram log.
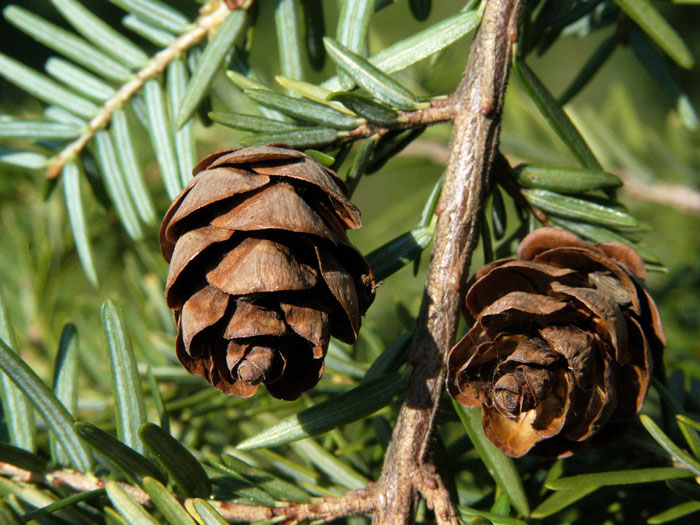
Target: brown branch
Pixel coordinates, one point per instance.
(82, 483)
(440, 110)
(7, 469)
(212, 17)
(427, 481)
(353, 502)
(69, 478)
(472, 150)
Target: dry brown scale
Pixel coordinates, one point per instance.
(563, 343)
(261, 270)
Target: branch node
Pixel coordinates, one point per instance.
(427, 481)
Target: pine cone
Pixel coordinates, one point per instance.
(563, 343)
(261, 270)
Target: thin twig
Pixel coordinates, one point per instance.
(27, 476)
(353, 502)
(69, 478)
(427, 481)
(441, 110)
(678, 196)
(210, 20)
(82, 483)
(472, 150)
(683, 198)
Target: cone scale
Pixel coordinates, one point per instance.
(563, 344)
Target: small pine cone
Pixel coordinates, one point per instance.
(563, 342)
(261, 270)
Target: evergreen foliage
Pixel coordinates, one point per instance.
(89, 380)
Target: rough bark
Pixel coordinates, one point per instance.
(472, 150)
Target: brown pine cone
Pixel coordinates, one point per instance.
(261, 270)
(562, 346)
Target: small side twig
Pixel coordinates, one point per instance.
(686, 199)
(6, 469)
(440, 110)
(678, 196)
(82, 483)
(69, 478)
(203, 25)
(427, 481)
(353, 502)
